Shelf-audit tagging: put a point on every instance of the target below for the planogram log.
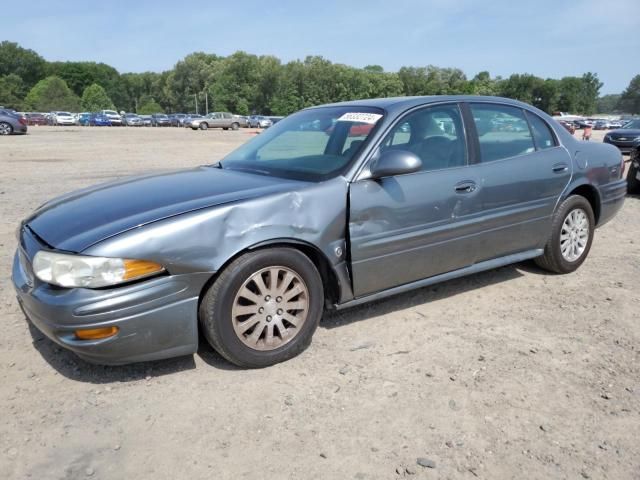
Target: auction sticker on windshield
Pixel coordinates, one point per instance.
(360, 117)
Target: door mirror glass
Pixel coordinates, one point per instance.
(395, 162)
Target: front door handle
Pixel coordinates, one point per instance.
(560, 168)
(466, 187)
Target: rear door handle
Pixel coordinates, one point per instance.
(466, 187)
(560, 168)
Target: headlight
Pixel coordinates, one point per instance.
(89, 272)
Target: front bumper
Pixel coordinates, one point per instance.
(157, 318)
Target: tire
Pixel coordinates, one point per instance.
(553, 258)
(633, 184)
(204, 126)
(220, 308)
(235, 126)
(6, 128)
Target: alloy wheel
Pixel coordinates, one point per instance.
(574, 235)
(270, 308)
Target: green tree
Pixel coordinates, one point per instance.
(24, 63)
(483, 84)
(149, 106)
(608, 103)
(12, 91)
(80, 75)
(95, 98)
(51, 94)
(630, 98)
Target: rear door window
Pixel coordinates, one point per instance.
(503, 131)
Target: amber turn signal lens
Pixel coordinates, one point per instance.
(140, 268)
(96, 333)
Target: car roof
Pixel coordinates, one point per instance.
(403, 103)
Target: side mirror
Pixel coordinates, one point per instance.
(395, 162)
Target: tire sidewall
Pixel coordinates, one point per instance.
(572, 203)
(222, 325)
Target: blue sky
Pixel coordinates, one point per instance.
(549, 38)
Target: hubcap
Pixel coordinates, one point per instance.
(5, 129)
(574, 235)
(270, 308)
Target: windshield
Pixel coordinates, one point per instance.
(63, 114)
(313, 144)
(110, 112)
(635, 124)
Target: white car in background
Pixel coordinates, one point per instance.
(113, 116)
(62, 118)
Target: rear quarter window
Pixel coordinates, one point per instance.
(542, 134)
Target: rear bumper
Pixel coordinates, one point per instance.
(156, 318)
(611, 200)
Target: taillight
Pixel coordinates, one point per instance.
(22, 121)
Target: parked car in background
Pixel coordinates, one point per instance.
(146, 120)
(99, 119)
(35, 118)
(12, 123)
(114, 117)
(83, 119)
(616, 124)
(250, 251)
(189, 118)
(242, 120)
(160, 120)
(177, 119)
(132, 120)
(275, 120)
(601, 125)
(62, 118)
(627, 138)
(224, 120)
(259, 121)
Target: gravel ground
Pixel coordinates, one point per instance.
(512, 373)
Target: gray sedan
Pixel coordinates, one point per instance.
(332, 207)
(12, 123)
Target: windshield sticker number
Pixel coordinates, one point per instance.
(360, 117)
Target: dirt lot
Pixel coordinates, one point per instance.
(511, 373)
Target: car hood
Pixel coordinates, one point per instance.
(625, 132)
(76, 221)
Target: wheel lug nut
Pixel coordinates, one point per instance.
(268, 318)
(279, 311)
(261, 310)
(267, 298)
(278, 299)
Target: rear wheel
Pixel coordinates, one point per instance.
(204, 126)
(235, 126)
(263, 308)
(5, 128)
(633, 182)
(571, 236)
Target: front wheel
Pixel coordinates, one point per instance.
(571, 236)
(204, 126)
(633, 175)
(235, 126)
(263, 308)
(5, 128)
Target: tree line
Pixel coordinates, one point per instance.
(244, 83)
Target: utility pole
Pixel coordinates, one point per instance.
(206, 101)
(195, 97)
